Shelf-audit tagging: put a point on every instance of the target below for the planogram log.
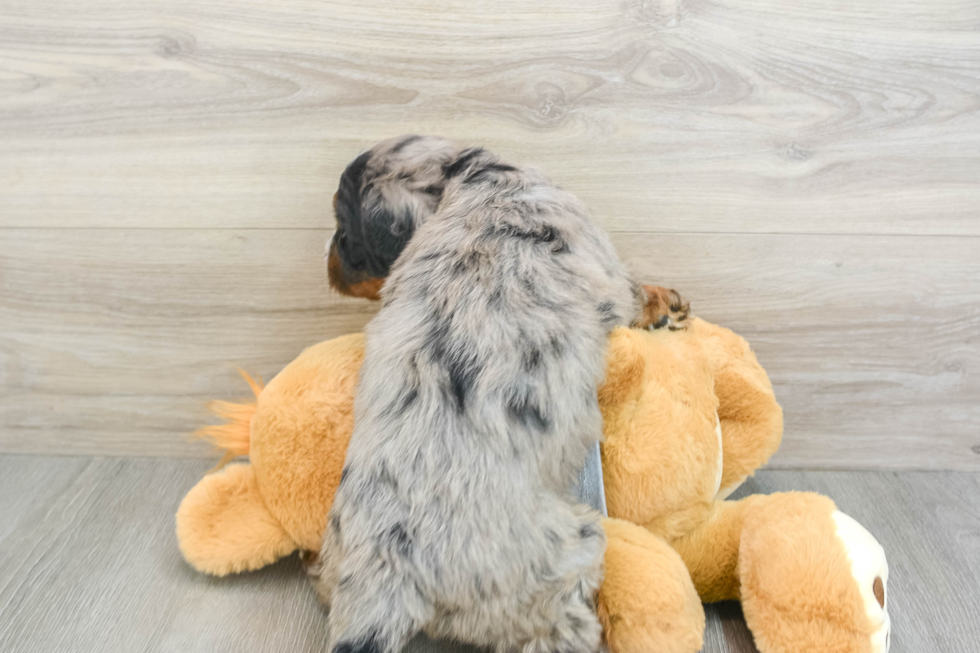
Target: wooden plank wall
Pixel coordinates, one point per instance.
(805, 172)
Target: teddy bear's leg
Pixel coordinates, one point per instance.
(711, 551)
(647, 601)
(812, 578)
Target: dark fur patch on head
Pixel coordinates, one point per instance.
(370, 234)
(487, 172)
(369, 644)
(465, 157)
(408, 140)
(589, 530)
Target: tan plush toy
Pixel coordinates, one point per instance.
(688, 416)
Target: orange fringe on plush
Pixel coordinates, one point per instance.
(233, 435)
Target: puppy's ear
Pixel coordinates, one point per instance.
(390, 213)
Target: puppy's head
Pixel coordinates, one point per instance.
(384, 194)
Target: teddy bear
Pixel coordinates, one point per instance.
(688, 416)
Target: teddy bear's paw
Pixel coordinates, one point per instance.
(869, 568)
(813, 580)
(664, 308)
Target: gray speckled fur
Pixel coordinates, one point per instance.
(475, 409)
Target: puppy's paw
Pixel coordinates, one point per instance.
(664, 308)
(311, 563)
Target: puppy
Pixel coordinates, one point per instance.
(476, 404)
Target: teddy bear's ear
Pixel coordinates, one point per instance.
(224, 527)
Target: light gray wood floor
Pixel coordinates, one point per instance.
(88, 562)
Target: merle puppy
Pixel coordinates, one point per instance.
(476, 405)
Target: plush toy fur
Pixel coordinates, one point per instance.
(688, 415)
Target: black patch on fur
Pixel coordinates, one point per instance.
(544, 235)
(343, 475)
(468, 263)
(345, 580)
(433, 189)
(461, 379)
(408, 395)
(462, 368)
(607, 313)
(408, 140)
(525, 410)
(407, 400)
(487, 171)
(531, 358)
(589, 530)
(542, 299)
(557, 345)
(385, 235)
(335, 523)
(369, 644)
(465, 157)
(371, 234)
(385, 477)
(401, 540)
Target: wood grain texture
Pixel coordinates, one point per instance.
(88, 562)
(114, 339)
(806, 172)
(667, 115)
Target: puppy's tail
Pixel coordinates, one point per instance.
(232, 436)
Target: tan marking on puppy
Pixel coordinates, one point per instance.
(365, 287)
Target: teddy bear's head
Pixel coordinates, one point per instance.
(688, 415)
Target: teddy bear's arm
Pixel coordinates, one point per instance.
(751, 419)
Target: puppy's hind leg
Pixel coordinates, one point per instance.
(372, 608)
(566, 606)
(322, 567)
